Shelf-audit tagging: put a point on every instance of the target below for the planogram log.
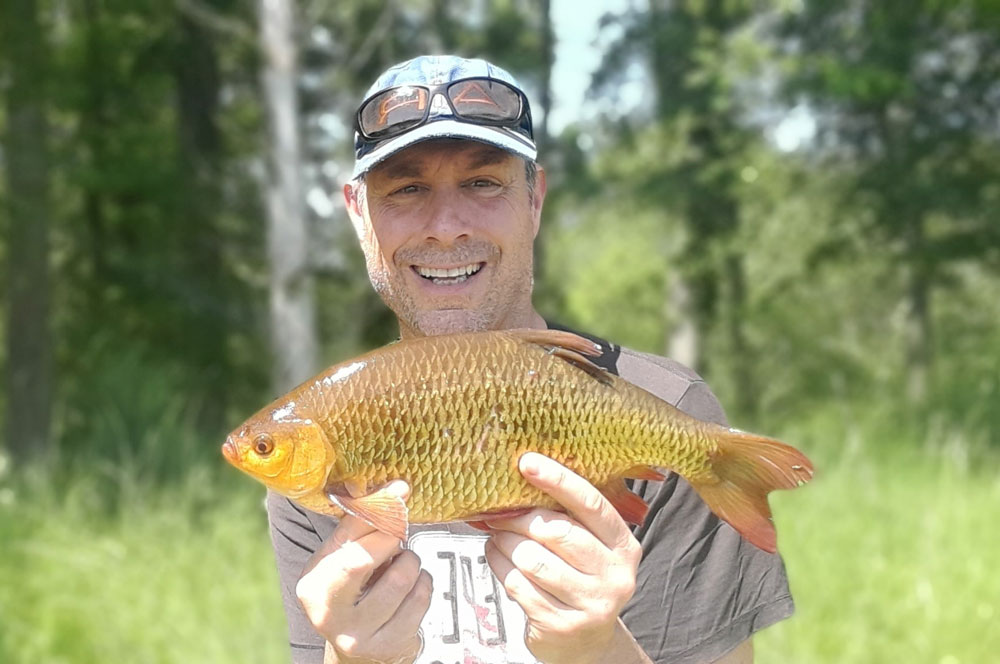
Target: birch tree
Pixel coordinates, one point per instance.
(292, 300)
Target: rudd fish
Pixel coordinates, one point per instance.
(453, 414)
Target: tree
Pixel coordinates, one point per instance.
(293, 315)
(29, 382)
(905, 95)
(198, 83)
(687, 50)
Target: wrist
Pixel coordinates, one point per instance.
(622, 648)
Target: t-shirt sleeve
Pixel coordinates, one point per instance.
(295, 537)
(701, 589)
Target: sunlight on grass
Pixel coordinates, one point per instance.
(163, 581)
(890, 563)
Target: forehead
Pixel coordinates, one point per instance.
(418, 159)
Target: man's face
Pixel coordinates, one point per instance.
(447, 229)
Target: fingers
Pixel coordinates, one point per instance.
(351, 529)
(578, 496)
(407, 618)
(381, 600)
(383, 626)
(536, 601)
(560, 534)
(543, 568)
(343, 573)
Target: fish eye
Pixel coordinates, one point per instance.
(263, 444)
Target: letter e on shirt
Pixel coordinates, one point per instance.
(470, 619)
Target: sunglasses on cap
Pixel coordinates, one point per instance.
(479, 100)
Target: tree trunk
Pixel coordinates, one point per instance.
(545, 102)
(292, 302)
(29, 352)
(742, 361)
(918, 323)
(682, 341)
(93, 127)
(198, 84)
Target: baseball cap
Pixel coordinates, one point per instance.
(441, 96)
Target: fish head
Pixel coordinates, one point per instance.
(286, 451)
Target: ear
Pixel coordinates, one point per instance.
(354, 191)
(538, 200)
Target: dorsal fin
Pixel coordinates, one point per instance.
(569, 347)
(558, 339)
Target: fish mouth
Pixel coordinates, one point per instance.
(447, 276)
(229, 451)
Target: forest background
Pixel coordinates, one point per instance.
(797, 198)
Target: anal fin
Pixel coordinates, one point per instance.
(644, 473)
(630, 506)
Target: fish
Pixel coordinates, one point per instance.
(452, 415)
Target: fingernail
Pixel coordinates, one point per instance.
(529, 464)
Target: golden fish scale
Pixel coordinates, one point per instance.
(441, 413)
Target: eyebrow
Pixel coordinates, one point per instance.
(413, 168)
(402, 169)
(487, 157)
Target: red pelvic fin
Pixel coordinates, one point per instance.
(505, 513)
(381, 510)
(644, 473)
(747, 468)
(630, 506)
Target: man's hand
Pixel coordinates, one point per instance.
(366, 619)
(571, 573)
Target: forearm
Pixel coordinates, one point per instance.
(623, 648)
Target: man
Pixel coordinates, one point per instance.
(446, 199)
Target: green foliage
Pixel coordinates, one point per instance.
(889, 549)
(178, 575)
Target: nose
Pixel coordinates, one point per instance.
(446, 222)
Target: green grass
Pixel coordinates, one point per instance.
(891, 559)
(892, 554)
(183, 575)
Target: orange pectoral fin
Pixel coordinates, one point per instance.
(630, 506)
(381, 510)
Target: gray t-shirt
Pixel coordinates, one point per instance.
(701, 588)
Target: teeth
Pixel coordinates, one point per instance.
(449, 273)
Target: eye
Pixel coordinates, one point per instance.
(263, 444)
(408, 189)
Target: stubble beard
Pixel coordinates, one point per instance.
(499, 304)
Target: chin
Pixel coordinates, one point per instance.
(451, 321)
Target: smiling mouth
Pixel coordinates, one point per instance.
(449, 275)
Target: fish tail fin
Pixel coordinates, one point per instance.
(746, 468)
